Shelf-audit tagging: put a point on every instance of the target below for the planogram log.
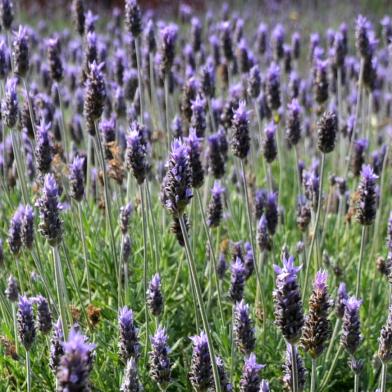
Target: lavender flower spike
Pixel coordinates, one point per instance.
(26, 326)
(244, 331)
(240, 141)
(176, 191)
(131, 381)
(287, 298)
(9, 104)
(351, 335)
(15, 231)
(238, 274)
(20, 52)
(154, 296)
(365, 206)
(56, 346)
(27, 229)
(75, 364)
(76, 178)
(12, 290)
(201, 369)
(44, 315)
(133, 18)
(50, 226)
(215, 207)
(385, 340)
(43, 148)
(250, 379)
(129, 343)
(340, 303)
(160, 367)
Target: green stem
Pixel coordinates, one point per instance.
(60, 291)
(356, 382)
(19, 166)
(313, 380)
(294, 369)
(212, 253)
(15, 327)
(331, 369)
(363, 235)
(28, 371)
(82, 234)
(206, 327)
(383, 377)
(145, 268)
(312, 242)
(334, 334)
(154, 227)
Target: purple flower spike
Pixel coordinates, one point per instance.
(43, 148)
(168, 45)
(215, 207)
(75, 364)
(194, 151)
(20, 52)
(243, 328)
(250, 379)
(366, 205)
(129, 342)
(56, 346)
(9, 104)
(201, 369)
(154, 296)
(240, 142)
(351, 335)
(269, 144)
(15, 231)
(76, 178)
(51, 226)
(160, 367)
(27, 229)
(287, 298)
(238, 274)
(273, 87)
(26, 325)
(176, 191)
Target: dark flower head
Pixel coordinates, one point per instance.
(250, 378)
(263, 236)
(198, 119)
(6, 14)
(168, 37)
(271, 212)
(270, 151)
(278, 35)
(326, 131)
(320, 82)
(194, 152)
(76, 178)
(240, 141)
(293, 125)
(385, 340)
(215, 208)
(208, 79)
(366, 202)
(244, 331)
(154, 296)
(43, 147)
(15, 231)
(125, 214)
(287, 298)
(9, 104)
(254, 82)
(272, 88)
(129, 346)
(238, 274)
(137, 153)
(54, 59)
(296, 44)
(133, 17)
(75, 363)
(56, 346)
(160, 366)
(20, 52)
(90, 20)
(78, 15)
(222, 266)
(12, 290)
(27, 229)
(176, 191)
(358, 158)
(26, 325)
(351, 335)
(51, 226)
(216, 155)
(201, 370)
(317, 328)
(362, 39)
(226, 41)
(44, 315)
(95, 93)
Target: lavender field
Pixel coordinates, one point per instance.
(197, 200)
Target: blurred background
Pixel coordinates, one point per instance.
(377, 7)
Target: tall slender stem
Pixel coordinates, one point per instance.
(63, 128)
(212, 253)
(15, 327)
(166, 87)
(313, 380)
(145, 267)
(82, 234)
(356, 382)
(383, 377)
(363, 235)
(206, 327)
(19, 166)
(107, 198)
(294, 369)
(60, 291)
(28, 371)
(334, 334)
(331, 369)
(314, 236)
(154, 226)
